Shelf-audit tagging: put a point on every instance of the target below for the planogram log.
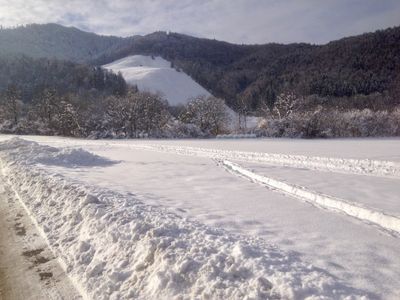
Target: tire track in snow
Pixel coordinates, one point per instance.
(327, 164)
(381, 219)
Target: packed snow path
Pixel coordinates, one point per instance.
(352, 166)
(383, 220)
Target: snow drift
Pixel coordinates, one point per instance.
(116, 247)
(67, 157)
(157, 75)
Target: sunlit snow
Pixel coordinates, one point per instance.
(155, 74)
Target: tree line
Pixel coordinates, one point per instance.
(307, 117)
(133, 114)
(54, 97)
(136, 114)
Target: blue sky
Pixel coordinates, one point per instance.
(238, 21)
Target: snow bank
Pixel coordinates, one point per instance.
(157, 75)
(381, 219)
(116, 247)
(72, 158)
(18, 149)
(343, 165)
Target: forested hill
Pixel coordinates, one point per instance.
(360, 65)
(33, 76)
(250, 75)
(56, 41)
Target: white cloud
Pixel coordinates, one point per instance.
(239, 21)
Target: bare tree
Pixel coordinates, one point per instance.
(138, 113)
(155, 111)
(118, 114)
(12, 104)
(67, 119)
(286, 104)
(243, 109)
(210, 114)
(46, 105)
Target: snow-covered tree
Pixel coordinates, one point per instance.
(210, 114)
(243, 109)
(11, 104)
(137, 113)
(155, 112)
(285, 105)
(46, 105)
(67, 119)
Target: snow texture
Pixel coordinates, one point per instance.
(157, 75)
(353, 166)
(381, 219)
(66, 157)
(116, 247)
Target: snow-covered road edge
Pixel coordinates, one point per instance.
(39, 228)
(328, 164)
(116, 247)
(21, 273)
(381, 219)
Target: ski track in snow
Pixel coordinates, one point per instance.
(341, 165)
(116, 247)
(388, 222)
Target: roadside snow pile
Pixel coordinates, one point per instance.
(116, 247)
(72, 158)
(34, 153)
(343, 165)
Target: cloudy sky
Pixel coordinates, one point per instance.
(238, 21)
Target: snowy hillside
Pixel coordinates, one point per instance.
(156, 75)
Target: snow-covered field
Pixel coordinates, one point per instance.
(156, 75)
(222, 219)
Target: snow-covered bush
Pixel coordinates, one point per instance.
(210, 114)
(178, 129)
(136, 114)
(333, 123)
(286, 104)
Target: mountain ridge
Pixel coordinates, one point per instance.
(250, 74)
(53, 40)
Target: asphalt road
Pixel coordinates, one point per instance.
(28, 269)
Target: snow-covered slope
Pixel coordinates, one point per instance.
(156, 75)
